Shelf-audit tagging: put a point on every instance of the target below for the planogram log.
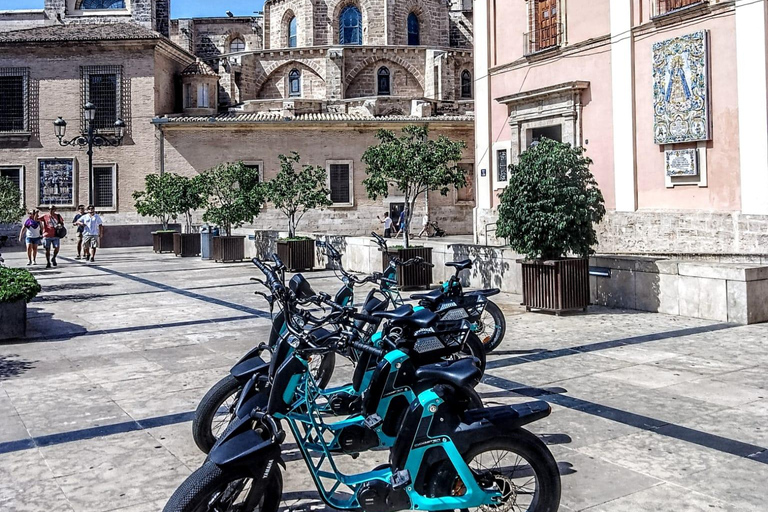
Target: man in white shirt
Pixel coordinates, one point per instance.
(387, 224)
(93, 230)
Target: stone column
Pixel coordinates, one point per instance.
(334, 74)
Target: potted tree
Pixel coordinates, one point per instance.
(157, 200)
(17, 287)
(295, 193)
(547, 213)
(188, 195)
(415, 165)
(233, 197)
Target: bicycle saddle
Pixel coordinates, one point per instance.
(431, 296)
(460, 265)
(406, 316)
(461, 373)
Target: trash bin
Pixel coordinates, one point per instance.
(206, 241)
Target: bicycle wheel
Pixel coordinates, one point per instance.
(215, 412)
(491, 326)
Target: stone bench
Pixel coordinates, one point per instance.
(726, 292)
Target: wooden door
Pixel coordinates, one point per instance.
(547, 26)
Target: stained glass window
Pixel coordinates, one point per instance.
(351, 26)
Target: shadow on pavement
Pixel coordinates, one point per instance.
(12, 367)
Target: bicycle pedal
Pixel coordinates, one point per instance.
(400, 479)
(373, 421)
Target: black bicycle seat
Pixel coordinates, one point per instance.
(460, 265)
(406, 316)
(431, 296)
(395, 314)
(461, 373)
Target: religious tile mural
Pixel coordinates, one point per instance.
(680, 89)
(682, 162)
(56, 179)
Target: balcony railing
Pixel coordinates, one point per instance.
(662, 7)
(543, 38)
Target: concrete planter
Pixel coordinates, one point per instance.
(162, 241)
(556, 285)
(228, 248)
(297, 254)
(186, 244)
(13, 320)
(412, 276)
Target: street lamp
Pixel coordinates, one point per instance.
(89, 139)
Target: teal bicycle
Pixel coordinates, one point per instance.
(441, 459)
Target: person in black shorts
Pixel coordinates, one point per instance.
(80, 213)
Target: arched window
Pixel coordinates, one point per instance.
(292, 33)
(466, 84)
(237, 45)
(350, 26)
(294, 83)
(382, 76)
(102, 4)
(413, 30)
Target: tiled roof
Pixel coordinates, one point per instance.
(199, 68)
(266, 117)
(80, 32)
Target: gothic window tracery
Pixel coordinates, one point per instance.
(237, 45)
(292, 40)
(102, 4)
(294, 83)
(382, 80)
(413, 30)
(466, 84)
(350, 26)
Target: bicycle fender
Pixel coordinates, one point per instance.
(241, 445)
(247, 366)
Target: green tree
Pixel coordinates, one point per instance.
(414, 164)
(296, 192)
(11, 209)
(157, 198)
(551, 203)
(232, 194)
(188, 195)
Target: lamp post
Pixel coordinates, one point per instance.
(89, 139)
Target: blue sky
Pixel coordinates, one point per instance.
(179, 8)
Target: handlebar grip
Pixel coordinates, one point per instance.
(365, 318)
(362, 347)
(272, 281)
(277, 260)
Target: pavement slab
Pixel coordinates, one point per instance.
(649, 411)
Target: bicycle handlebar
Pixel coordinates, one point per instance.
(362, 347)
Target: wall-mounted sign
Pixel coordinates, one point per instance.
(682, 162)
(56, 178)
(483, 173)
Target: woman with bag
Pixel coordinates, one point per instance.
(34, 235)
(53, 232)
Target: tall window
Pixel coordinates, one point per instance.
(501, 165)
(15, 174)
(101, 86)
(188, 96)
(292, 33)
(294, 83)
(382, 76)
(413, 30)
(14, 98)
(102, 4)
(351, 26)
(237, 45)
(339, 183)
(466, 84)
(665, 6)
(467, 193)
(104, 186)
(546, 30)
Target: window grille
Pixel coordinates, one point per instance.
(14, 99)
(294, 83)
(667, 6)
(255, 167)
(351, 26)
(202, 96)
(383, 81)
(501, 163)
(13, 174)
(237, 45)
(102, 4)
(103, 187)
(102, 86)
(339, 177)
(466, 84)
(292, 41)
(413, 30)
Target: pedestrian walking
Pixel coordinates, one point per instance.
(400, 226)
(424, 226)
(53, 232)
(32, 232)
(80, 213)
(387, 221)
(93, 230)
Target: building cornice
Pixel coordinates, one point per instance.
(544, 92)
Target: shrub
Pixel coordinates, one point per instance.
(11, 209)
(551, 203)
(17, 284)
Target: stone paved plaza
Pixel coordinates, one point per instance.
(650, 412)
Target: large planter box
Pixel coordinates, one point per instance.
(186, 244)
(412, 276)
(162, 241)
(13, 320)
(228, 248)
(556, 285)
(297, 254)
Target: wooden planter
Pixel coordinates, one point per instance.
(297, 254)
(556, 285)
(229, 248)
(412, 276)
(13, 320)
(162, 241)
(186, 244)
